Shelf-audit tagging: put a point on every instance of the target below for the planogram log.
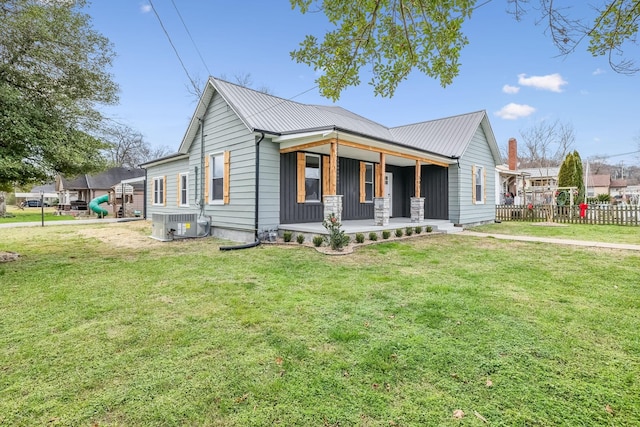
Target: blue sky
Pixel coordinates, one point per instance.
(510, 69)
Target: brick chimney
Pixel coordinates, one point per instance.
(513, 154)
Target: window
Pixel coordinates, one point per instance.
(478, 184)
(216, 189)
(158, 190)
(183, 189)
(366, 182)
(312, 178)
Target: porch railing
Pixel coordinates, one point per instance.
(595, 214)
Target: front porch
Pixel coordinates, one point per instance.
(365, 226)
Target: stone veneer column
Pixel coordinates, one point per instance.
(417, 209)
(332, 204)
(381, 207)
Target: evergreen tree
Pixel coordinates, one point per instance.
(570, 175)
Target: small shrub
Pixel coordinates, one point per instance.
(287, 235)
(429, 229)
(337, 239)
(409, 231)
(359, 238)
(300, 238)
(418, 229)
(386, 234)
(317, 241)
(399, 232)
(373, 236)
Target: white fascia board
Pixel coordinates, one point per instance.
(166, 160)
(306, 136)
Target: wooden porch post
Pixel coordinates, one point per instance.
(380, 176)
(417, 191)
(333, 168)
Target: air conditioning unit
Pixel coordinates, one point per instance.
(166, 226)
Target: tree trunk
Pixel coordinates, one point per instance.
(3, 204)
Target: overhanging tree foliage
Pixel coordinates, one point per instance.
(52, 77)
(394, 37)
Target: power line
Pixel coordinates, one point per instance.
(192, 41)
(596, 157)
(197, 90)
(174, 48)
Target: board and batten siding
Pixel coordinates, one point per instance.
(170, 172)
(434, 187)
(462, 209)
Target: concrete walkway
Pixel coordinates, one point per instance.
(552, 240)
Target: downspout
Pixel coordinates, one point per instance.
(257, 183)
(257, 210)
(144, 193)
(201, 202)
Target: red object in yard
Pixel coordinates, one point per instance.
(583, 209)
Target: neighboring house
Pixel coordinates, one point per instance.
(47, 192)
(511, 183)
(541, 178)
(598, 184)
(618, 187)
(77, 193)
(251, 161)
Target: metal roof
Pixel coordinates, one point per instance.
(262, 112)
(449, 136)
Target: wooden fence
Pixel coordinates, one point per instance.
(595, 214)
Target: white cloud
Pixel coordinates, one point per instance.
(515, 111)
(552, 82)
(598, 71)
(145, 8)
(510, 89)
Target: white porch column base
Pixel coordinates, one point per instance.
(381, 208)
(417, 209)
(332, 204)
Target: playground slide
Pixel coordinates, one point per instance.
(94, 205)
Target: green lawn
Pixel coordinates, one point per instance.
(32, 215)
(397, 334)
(597, 233)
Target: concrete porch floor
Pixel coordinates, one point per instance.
(366, 226)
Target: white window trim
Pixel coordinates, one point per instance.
(156, 180)
(186, 186)
(479, 170)
(211, 170)
(373, 182)
(319, 157)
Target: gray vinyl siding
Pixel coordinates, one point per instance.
(170, 171)
(224, 131)
(462, 210)
(269, 198)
